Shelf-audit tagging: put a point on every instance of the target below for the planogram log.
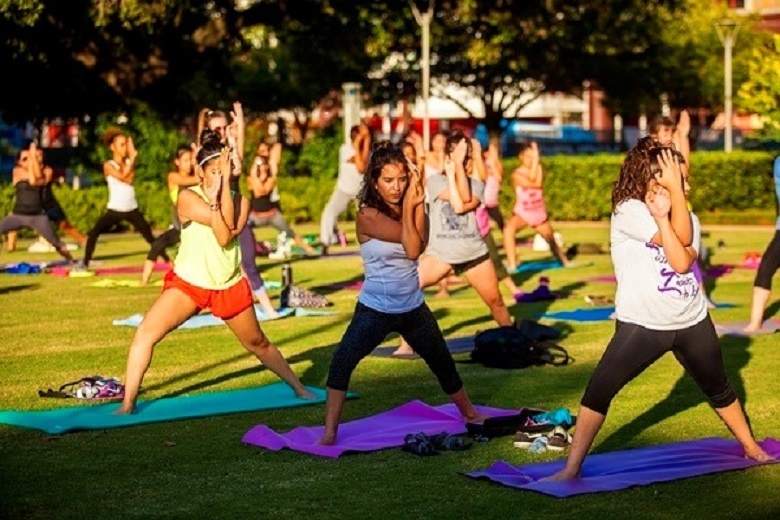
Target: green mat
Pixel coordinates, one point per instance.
(101, 416)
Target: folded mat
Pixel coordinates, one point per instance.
(101, 416)
(381, 431)
(454, 345)
(590, 314)
(736, 328)
(637, 467)
(209, 320)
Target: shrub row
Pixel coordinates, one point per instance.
(576, 188)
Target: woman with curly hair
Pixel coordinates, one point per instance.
(392, 230)
(659, 305)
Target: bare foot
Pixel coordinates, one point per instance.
(561, 476)
(758, 455)
(327, 439)
(476, 418)
(125, 410)
(304, 393)
(752, 328)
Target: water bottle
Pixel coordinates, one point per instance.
(287, 275)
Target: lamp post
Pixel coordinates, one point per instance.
(727, 32)
(424, 21)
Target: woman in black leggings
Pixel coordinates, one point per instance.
(770, 263)
(659, 306)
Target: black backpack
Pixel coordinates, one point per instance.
(507, 347)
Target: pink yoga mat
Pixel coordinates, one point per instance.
(126, 269)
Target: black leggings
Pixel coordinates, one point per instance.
(168, 239)
(110, 219)
(770, 262)
(633, 348)
(369, 328)
(498, 218)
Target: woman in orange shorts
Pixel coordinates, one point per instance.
(206, 274)
(530, 209)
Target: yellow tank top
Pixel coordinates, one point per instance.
(201, 261)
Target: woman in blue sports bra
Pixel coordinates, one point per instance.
(392, 229)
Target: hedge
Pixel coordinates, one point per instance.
(576, 188)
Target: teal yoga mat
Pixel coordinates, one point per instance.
(101, 416)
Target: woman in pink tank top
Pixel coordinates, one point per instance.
(529, 209)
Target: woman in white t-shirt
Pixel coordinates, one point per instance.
(119, 172)
(659, 305)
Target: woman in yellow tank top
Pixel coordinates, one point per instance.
(206, 274)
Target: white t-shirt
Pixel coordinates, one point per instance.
(350, 180)
(649, 292)
(121, 195)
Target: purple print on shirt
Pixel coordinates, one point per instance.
(682, 286)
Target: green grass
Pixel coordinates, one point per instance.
(59, 329)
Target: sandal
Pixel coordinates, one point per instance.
(444, 441)
(418, 444)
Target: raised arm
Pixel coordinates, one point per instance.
(125, 172)
(414, 220)
(35, 175)
(237, 116)
(479, 162)
(679, 256)
(681, 133)
(670, 178)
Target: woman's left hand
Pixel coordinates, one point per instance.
(415, 191)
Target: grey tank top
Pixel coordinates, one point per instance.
(391, 283)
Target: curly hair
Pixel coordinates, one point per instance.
(636, 172)
(110, 134)
(382, 154)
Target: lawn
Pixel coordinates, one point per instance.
(60, 329)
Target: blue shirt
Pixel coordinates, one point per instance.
(391, 283)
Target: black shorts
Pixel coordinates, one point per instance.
(465, 266)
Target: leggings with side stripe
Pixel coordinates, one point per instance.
(370, 327)
(633, 348)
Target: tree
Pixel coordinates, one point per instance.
(761, 92)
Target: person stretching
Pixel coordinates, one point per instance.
(392, 230)
(206, 274)
(659, 305)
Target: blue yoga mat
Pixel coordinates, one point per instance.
(534, 266)
(101, 416)
(588, 314)
(628, 468)
(209, 320)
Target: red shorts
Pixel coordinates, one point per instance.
(224, 303)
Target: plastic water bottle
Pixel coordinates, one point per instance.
(287, 275)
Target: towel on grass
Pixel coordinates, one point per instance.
(377, 432)
(636, 467)
(102, 416)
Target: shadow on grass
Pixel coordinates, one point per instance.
(17, 288)
(772, 310)
(685, 394)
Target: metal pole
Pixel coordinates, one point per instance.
(727, 134)
(426, 77)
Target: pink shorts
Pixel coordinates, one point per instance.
(530, 206)
(224, 303)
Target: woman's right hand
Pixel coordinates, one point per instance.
(670, 176)
(459, 153)
(415, 191)
(658, 201)
(214, 189)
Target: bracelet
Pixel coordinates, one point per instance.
(215, 207)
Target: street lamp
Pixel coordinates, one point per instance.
(424, 21)
(727, 32)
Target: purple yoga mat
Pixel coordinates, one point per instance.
(637, 467)
(378, 432)
(609, 278)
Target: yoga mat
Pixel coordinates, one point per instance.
(126, 269)
(209, 320)
(101, 416)
(735, 328)
(113, 283)
(355, 285)
(589, 314)
(609, 278)
(637, 467)
(378, 432)
(454, 345)
(534, 266)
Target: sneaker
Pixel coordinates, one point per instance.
(558, 439)
(525, 439)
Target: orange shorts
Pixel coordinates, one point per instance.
(224, 303)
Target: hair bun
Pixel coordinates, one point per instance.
(209, 136)
(381, 145)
